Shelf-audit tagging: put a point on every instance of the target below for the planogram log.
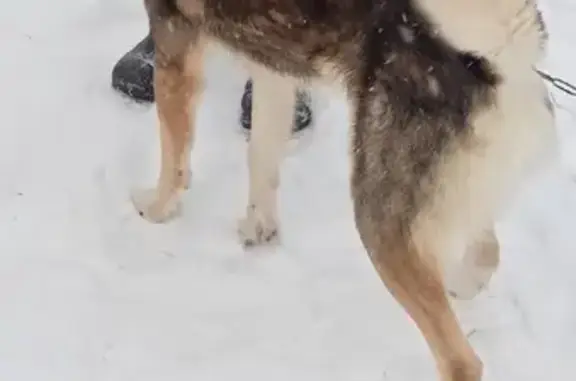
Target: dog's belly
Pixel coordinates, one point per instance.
(296, 52)
(293, 37)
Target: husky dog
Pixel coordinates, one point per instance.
(448, 117)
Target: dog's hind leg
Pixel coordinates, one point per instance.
(388, 198)
(415, 281)
(480, 261)
(273, 105)
(177, 84)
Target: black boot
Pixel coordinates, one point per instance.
(133, 74)
(302, 115)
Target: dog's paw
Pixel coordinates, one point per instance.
(469, 282)
(255, 230)
(149, 207)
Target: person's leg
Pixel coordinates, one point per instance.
(133, 76)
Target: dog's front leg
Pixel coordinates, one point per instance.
(274, 99)
(177, 84)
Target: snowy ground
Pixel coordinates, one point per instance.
(90, 292)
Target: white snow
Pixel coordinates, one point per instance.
(91, 292)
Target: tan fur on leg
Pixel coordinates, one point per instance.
(178, 83)
(273, 105)
(418, 287)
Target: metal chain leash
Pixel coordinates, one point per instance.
(559, 83)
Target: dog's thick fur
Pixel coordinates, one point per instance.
(448, 117)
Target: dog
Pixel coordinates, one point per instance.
(448, 117)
